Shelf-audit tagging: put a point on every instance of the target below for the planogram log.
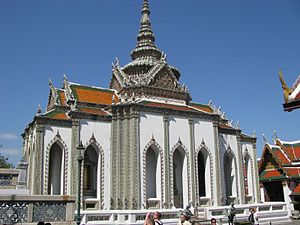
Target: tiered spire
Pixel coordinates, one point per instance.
(145, 40)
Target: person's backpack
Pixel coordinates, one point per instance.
(251, 218)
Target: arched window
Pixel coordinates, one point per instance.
(55, 180)
(248, 176)
(90, 172)
(151, 173)
(230, 176)
(180, 184)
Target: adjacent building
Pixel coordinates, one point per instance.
(279, 173)
(147, 144)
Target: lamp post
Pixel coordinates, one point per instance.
(80, 149)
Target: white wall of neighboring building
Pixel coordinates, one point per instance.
(102, 133)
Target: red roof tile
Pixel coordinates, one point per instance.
(280, 156)
(271, 175)
(296, 191)
(292, 150)
(292, 172)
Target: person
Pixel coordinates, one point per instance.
(183, 220)
(156, 218)
(41, 223)
(213, 221)
(253, 217)
(232, 213)
(149, 221)
(188, 212)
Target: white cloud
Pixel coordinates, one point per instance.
(8, 136)
(10, 151)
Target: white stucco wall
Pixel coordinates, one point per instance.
(151, 125)
(102, 133)
(179, 130)
(204, 132)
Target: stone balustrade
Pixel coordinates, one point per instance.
(30, 209)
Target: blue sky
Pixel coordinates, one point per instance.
(227, 51)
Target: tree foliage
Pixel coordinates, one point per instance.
(4, 163)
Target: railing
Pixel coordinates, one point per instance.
(8, 178)
(267, 212)
(26, 209)
(169, 216)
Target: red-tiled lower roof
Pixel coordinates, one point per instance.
(205, 108)
(93, 111)
(271, 175)
(292, 172)
(55, 114)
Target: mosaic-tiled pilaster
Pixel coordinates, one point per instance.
(240, 161)
(193, 188)
(39, 160)
(73, 157)
(217, 177)
(167, 198)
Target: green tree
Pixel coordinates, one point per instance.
(4, 162)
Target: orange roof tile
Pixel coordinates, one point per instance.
(205, 108)
(93, 95)
(93, 111)
(57, 115)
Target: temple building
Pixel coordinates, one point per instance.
(291, 95)
(279, 173)
(147, 145)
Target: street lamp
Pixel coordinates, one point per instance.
(80, 149)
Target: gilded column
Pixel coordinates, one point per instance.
(217, 177)
(72, 169)
(167, 202)
(193, 188)
(240, 162)
(39, 160)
